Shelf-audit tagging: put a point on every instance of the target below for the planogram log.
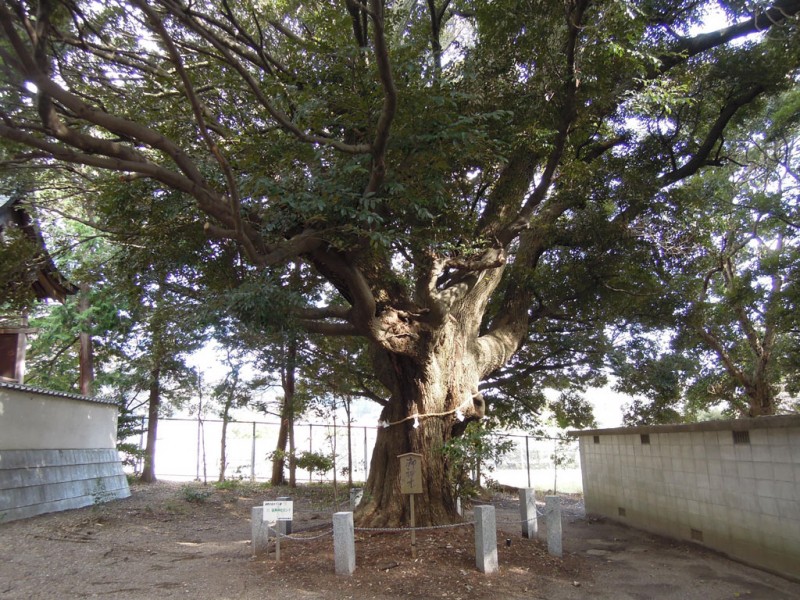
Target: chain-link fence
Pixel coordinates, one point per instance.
(542, 462)
(190, 449)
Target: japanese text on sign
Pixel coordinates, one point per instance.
(274, 510)
(410, 473)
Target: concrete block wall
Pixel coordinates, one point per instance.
(34, 482)
(57, 452)
(733, 486)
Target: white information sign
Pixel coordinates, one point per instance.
(277, 509)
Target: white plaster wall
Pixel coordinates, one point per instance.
(57, 452)
(693, 482)
(33, 421)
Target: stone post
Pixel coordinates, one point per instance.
(552, 511)
(284, 526)
(527, 513)
(344, 545)
(259, 531)
(485, 539)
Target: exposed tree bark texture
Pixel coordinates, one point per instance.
(223, 454)
(279, 458)
(153, 408)
(436, 390)
(286, 430)
(86, 357)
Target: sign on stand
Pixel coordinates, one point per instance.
(277, 509)
(411, 483)
(273, 511)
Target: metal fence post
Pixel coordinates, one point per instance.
(253, 456)
(528, 460)
(366, 458)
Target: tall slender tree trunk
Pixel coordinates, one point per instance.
(347, 407)
(286, 429)
(86, 358)
(292, 461)
(279, 457)
(154, 406)
(223, 454)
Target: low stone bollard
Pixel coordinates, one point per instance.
(259, 531)
(284, 526)
(552, 511)
(485, 539)
(344, 544)
(527, 513)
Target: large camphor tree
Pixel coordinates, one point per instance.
(461, 174)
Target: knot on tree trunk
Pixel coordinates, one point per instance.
(473, 412)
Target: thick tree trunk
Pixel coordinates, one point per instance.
(154, 406)
(385, 505)
(292, 461)
(436, 392)
(761, 399)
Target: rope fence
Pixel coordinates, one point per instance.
(484, 525)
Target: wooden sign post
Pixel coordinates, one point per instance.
(411, 483)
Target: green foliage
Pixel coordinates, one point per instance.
(476, 448)
(723, 335)
(194, 494)
(571, 409)
(17, 260)
(228, 484)
(314, 462)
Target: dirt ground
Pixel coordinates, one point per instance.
(171, 540)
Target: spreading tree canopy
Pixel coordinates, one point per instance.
(464, 176)
(724, 261)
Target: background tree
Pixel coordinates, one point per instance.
(450, 195)
(339, 373)
(725, 259)
(231, 392)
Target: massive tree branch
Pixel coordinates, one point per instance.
(761, 20)
(199, 111)
(279, 116)
(329, 328)
(389, 108)
(700, 157)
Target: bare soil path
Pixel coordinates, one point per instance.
(170, 540)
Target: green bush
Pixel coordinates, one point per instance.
(194, 494)
(315, 462)
(477, 446)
